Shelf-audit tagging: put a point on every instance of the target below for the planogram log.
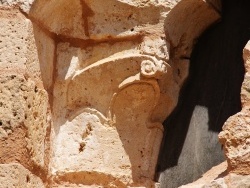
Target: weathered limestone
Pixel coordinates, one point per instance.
(236, 131)
(229, 181)
(23, 4)
(17, 45)
(103, 148)
(15, 175)
(218, 177)
(236, 138)
(211, 177)
(133, 65)
(106, 118)
(110, 71)
(24, 110)
(46, 55)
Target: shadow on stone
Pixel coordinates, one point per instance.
(210, 95)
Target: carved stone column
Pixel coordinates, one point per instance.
(109, 75)
(104, 103)
(108, 84)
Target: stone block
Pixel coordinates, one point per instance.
(15, 175)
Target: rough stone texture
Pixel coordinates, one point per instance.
(105, 92)
(17, 43)
(96, 127)
(111, 71)
(238, 181)
(236, 131)
(24, 109)
(212, 176)
(97, 20)
(24, 118)
(236, 140)
(46, 55)
(15, 175)
(218, 177)
(25, 5)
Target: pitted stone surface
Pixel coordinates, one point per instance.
(25, 5)
(15, 175)
(236, 131)
(23, 106)
(111, 72)
(24, 110)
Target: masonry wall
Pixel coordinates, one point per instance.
(86, 85)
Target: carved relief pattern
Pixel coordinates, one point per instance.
(101, 109)
(111, 81)
(113, 70)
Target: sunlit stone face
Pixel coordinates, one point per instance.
(112, 75)
(108, 101)
(86, 84)
(112, 71)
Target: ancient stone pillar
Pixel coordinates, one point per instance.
(88, 84)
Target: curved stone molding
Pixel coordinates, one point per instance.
(193, 18)
(120, 65)
(130, 117)
(110, 71)
(98, 20)
(153, 68)
(113, 71)
(100, 104)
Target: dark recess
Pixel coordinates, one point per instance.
(215, 78)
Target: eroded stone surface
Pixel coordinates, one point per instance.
(15, 175)
(229, 181)
(218, 177)
(236, 138)
(106, 119)
(45, 45)
(24, 110)
(98, 20)
(238, 181)
(14, 33)
(112, 80)
(24, 107)
(25, 5)
(210, 177)
(113, 74)
(236, 131)
(93, 79)
(17, 43)
(245, 96)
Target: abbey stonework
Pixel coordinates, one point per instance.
(124, 93)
